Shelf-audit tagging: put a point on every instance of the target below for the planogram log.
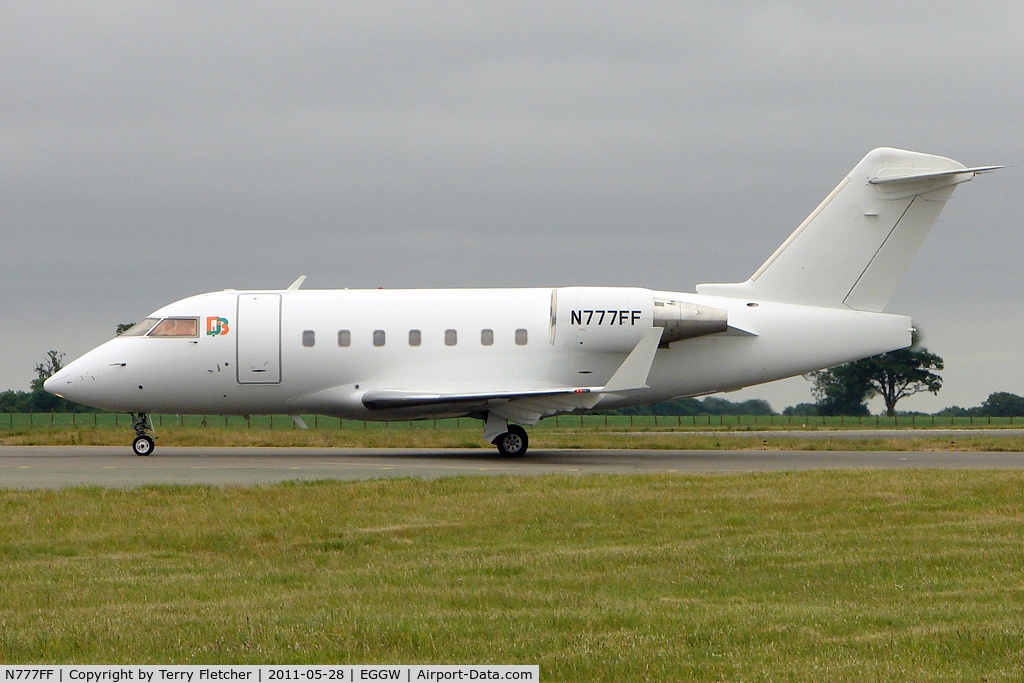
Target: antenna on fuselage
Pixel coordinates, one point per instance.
(295, 285)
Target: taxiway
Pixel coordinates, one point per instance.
(62, 466)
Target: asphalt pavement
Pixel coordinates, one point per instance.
(106, 466)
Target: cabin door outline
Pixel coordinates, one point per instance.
(258, 339)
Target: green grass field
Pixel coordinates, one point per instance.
(27, 421)
(592, 431)
(469, 437)
(854, 576)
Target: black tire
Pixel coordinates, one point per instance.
(513, 443)
(143, 445)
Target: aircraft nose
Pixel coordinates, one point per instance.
(95, 379)
(61, 384)
(77, 382)
(50, 385)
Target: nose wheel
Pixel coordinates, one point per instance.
(143, 443)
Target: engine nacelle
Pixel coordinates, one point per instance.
(684, 320)
(600, 319)
(613, 319)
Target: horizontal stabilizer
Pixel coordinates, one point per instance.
(886, 178)
(902, 178)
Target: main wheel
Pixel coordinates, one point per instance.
(513, 443)
(143, 445)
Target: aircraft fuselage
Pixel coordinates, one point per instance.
(321, 351)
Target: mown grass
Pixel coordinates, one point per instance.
(588, 431)
(622, 423)
(854, 576)
(469, 437)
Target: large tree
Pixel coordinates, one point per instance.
(895, 375)
(903, 373)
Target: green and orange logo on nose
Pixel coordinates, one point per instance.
(216, 326)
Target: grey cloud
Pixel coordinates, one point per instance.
(154, 151)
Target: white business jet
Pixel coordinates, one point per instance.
(510, 357)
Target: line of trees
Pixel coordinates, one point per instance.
(845, 390)
(706, 406)
(999, 404)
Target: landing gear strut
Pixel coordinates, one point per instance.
(143, 443)
(511, 440)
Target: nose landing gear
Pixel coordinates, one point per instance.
(143, 443)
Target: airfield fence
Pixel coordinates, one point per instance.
(23, 421)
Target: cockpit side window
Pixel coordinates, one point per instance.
(176, 327)
(140, 328)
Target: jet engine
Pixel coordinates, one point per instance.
(612, 320)
(685, 320)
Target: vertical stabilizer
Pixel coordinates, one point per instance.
(854, 249)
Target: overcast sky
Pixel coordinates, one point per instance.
(151, 151)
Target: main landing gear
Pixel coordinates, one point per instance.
(513, 443)
(143, 443)
(511, 440)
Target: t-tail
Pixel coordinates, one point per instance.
(853, 250)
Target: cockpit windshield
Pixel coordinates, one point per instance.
(168, 327)
(140, 328)
(176, 327)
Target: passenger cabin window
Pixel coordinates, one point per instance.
(415, 337)
(487, 337)
(140, 328)
(344, 338)
(378, 337)
(521, 337)
(176, 327)
(309, 338)
(451, 337)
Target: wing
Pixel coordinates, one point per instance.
(530, 405)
